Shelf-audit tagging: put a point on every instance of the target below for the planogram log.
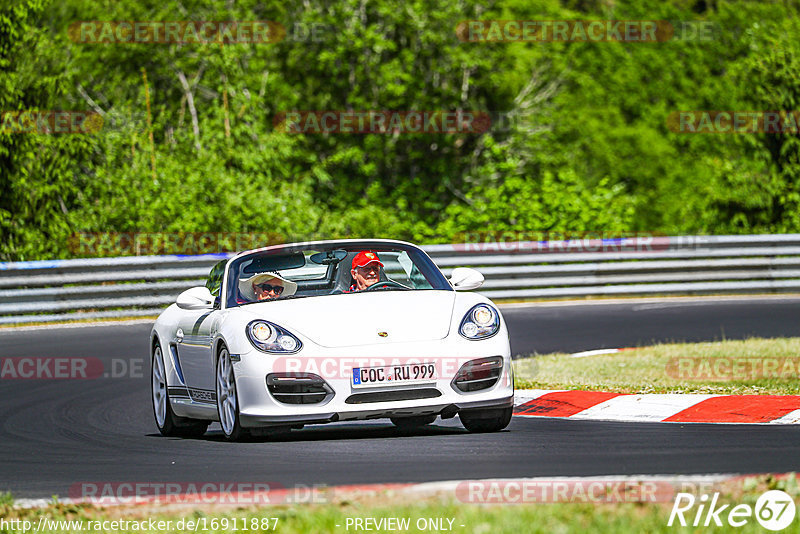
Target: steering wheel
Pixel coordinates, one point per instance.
(383, 284)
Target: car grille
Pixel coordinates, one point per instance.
(395, 395)
(479, 374)
(298, 388)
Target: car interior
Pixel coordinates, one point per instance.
(337, 277)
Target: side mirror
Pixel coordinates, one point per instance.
(464, 279)
(196, 298)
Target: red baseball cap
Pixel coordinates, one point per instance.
(365, 257)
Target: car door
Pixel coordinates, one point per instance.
(194, 339)
(193, 345)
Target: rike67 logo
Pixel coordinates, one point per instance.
(774, 510)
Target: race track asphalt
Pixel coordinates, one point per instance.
(555, 327)
(56, 434)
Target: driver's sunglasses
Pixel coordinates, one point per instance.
(267, 287)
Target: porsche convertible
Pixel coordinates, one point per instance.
(327, 331)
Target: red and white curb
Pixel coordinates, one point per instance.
(670, 408)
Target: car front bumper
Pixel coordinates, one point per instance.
(258, 407)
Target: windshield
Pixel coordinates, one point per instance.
(330, 269)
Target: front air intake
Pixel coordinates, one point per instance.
(393, 396)
(298, 388)
(479, 374)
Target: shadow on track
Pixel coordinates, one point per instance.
(332, 433)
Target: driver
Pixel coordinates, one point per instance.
(266, 286)
(366, 270)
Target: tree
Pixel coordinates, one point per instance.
(39, 174)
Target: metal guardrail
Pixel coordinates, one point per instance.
(46, 291)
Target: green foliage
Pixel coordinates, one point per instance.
(39, 175)
(579, 141)
(765, 193)
(549, 203)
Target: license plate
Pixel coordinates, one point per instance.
(412, 373)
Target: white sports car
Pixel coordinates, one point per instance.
(327, 331)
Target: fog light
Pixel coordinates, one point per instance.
(478, 374)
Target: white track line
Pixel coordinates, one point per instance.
(597, 352)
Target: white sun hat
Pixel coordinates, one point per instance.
(246, 285)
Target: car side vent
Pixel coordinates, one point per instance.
(479, 374)
(298, 388)
(389, 396)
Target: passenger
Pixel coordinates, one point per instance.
(366, 270)
(266, 286)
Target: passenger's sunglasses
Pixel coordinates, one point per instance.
(268, 287)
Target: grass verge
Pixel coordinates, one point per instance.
(78, 322)
(457, 516)
(750, 367)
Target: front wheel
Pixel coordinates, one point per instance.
(167, 422)
(490, 420)
(227, 398)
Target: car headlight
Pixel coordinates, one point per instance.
(480, 322)
(269, 337)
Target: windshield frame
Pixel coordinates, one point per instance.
(418, 256)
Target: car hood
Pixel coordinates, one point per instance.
(357, 319)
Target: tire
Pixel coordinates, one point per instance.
(167, 422)
(415, 421)
(490, 420)
(228, 398)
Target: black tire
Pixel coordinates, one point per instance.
(415, 421)
(229, 412)
(172, 425)
(489, 420)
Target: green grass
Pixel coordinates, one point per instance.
(484, 519)
(753, 366)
